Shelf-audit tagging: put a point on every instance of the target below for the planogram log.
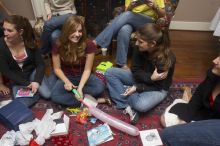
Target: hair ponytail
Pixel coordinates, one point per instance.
(22, 23)
(162, 55)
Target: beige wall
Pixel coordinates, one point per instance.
(20, 7)
(188, 10)
(196, 10)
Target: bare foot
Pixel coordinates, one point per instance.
(3, 89)
(187, 94)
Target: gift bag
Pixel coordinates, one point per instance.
(15, 113)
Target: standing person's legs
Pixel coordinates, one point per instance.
(116, 79)
(50, 25)
(123, 40)
(94, 86)
(142, 102)
(201, 133)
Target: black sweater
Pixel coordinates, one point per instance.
(21, 76)
(199, 107)
(142, 70)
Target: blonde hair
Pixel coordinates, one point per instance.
(71, 52)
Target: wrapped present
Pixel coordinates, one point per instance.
(15, 113)
(103, 66)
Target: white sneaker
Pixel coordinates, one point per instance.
(134, 116)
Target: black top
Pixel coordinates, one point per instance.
(21, 76)
(142, 70)
(199, 106)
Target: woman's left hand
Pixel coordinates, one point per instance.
(129, 90)
(33, 86)
(158, 76)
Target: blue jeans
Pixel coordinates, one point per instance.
(51, 31)
(117, 82)
(128, 19)
(201, 133)
(43, 91)
(94, 86)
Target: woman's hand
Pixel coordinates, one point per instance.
(33, 86)
(129, 90)
(69, 86)
(49, 16)
(79, 90)
(158, 76)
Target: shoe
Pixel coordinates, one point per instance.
(134, 116)
(125, 67)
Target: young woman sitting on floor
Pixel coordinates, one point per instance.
(73, 57)
(148, 82)
(203, 105)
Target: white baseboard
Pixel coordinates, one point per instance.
(196, 26)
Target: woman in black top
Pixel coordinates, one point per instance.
(204, 104)
(151, 74)
(20, 61)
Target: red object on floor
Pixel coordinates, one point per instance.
(64, 140)
(33, 143)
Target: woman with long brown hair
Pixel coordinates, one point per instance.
(20, 60)
(148, 82)
(73, 58)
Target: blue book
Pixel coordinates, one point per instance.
(99, 135)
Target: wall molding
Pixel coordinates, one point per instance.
(195, 26)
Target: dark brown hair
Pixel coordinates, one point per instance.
(162, 55)
(20, 23)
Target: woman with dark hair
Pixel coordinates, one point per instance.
(137, 13)
(151, 74)
(73, 58)
(20, 60)
(203, 105)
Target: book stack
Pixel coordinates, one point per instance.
(99, 135)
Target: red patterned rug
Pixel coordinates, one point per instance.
(77, 132)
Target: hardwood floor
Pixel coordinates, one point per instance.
(194, 52)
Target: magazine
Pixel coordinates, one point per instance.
(24, 92)
(99, 135)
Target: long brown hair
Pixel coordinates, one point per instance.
(162, 55)
(20, 23)
(71, 52)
